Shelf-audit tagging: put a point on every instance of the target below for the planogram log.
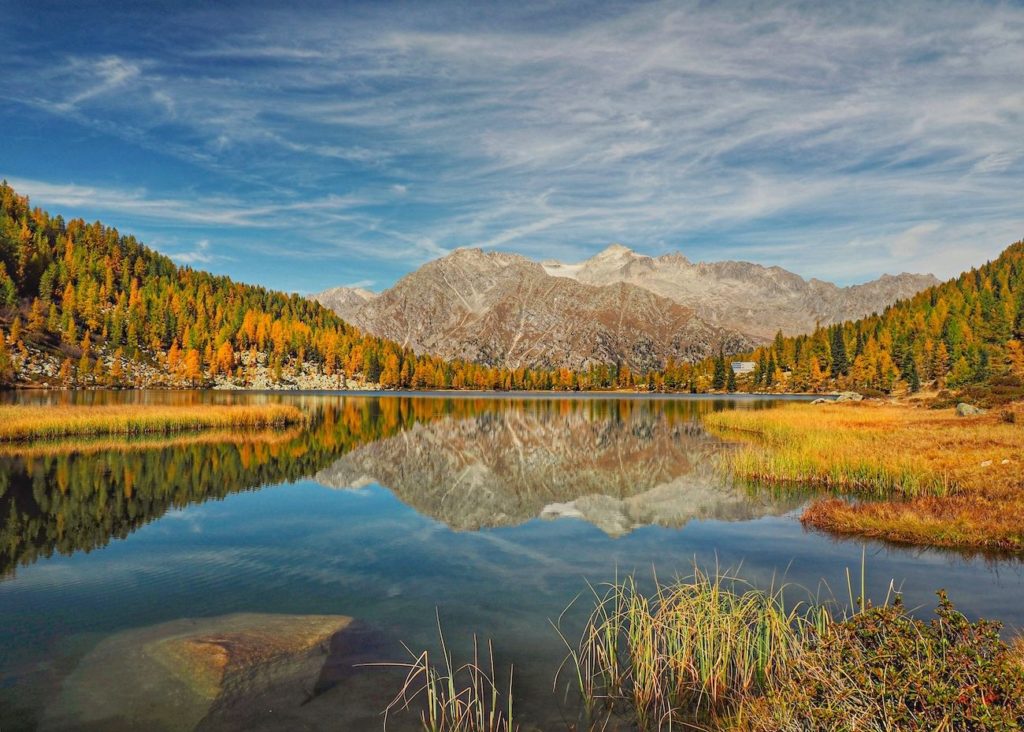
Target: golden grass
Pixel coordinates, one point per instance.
(48, 422)
(693, 649)
(944, 480)
(92, 445)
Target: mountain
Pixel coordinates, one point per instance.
(741, 296)
(344, 300)
(506, 310)
(618, 306)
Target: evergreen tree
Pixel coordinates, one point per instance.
(719, 379)
(840, 364)
(6, 364)
(8, 290)
(912, 376)
(760, 369)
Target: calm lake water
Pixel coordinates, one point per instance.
(489, 513)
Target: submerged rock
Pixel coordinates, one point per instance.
(180, 674)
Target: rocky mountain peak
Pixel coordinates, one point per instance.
(614, 251)
(617, 306)
(344, 300)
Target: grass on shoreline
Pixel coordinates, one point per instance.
(19, 423)
(940, 479)
(97, 444)
(712, 652)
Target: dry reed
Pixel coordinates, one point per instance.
(454, 698)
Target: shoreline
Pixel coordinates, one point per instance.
(442, 393)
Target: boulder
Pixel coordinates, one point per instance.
(849, 396)
(821, 401)
(963, 409)
(174, 675)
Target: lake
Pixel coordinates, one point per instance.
(490, 513)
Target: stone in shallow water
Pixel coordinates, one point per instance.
(176, 675)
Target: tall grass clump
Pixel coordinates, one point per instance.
(48, 422)
(691, 650)
(454, 697)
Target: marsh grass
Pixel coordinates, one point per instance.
(453, 697)
(930, 477)
(98, 444)
(51, 422)
(687, 653)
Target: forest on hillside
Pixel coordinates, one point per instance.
(83, 305)
(967, 331)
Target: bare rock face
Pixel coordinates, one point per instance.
(503, 309)
(618, 306)
(746, 297)
(345, 301)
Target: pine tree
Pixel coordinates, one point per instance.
(718, 382)
(8, 290)
(840, 364)
(6, 364)
(912, 376)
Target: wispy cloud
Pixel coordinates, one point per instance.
(840, 140)
(196, 209)
(199, 254)
(100, 77)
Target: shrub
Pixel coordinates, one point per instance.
(884, 670)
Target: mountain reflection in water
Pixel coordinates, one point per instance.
(469, 463)
(618, 466)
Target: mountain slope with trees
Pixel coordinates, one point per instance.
(84, 305)
(965, 332)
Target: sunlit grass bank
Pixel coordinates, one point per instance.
(48, 422)
(940, 479)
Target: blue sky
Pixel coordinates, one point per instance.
(302, 145)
